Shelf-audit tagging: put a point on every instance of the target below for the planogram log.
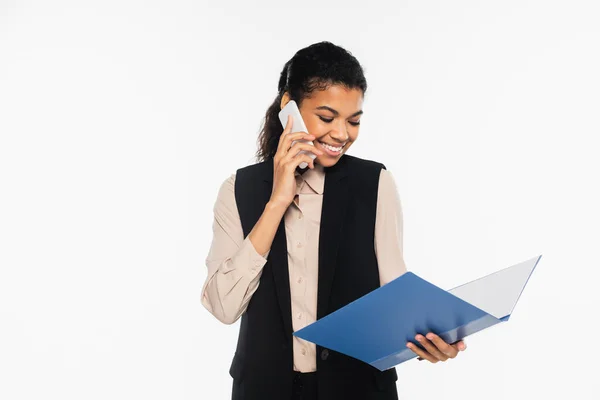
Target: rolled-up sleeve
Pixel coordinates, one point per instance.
(234, 265)
(389, 230)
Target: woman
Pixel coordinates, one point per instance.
(292, 245)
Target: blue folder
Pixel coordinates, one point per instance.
(376, 327)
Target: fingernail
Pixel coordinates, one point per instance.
(463, 346)
(430, 336)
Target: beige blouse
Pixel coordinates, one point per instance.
(235, 267)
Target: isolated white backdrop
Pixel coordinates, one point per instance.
(120, 119)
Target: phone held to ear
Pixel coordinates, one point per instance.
(297, 126)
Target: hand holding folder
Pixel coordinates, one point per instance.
(433, 348)
(376, 327)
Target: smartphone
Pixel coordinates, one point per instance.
(297, 126)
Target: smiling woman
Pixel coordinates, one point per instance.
(293, 245)
(328, 84)
(334, 130)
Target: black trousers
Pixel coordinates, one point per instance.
(305, 386)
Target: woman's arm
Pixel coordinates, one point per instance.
(235, 263)
(389, 230)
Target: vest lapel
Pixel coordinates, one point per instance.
(279, 259)
(335, 201)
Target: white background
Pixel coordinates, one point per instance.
(120, 119)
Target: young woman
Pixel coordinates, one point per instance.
(292, 245)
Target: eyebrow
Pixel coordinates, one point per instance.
(337, 113)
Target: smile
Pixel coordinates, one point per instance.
(331, 150)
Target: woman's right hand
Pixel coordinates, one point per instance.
(285, 162)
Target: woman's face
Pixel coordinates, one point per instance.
(333, 117)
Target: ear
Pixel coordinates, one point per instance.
(284, 99)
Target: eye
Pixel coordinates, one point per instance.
(328, 120)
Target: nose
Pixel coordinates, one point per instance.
(340, 134)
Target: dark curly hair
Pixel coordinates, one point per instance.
(315, 67)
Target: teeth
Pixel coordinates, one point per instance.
(331, 147)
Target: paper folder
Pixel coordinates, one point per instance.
(376, 327)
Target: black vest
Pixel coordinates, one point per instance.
(262, 366)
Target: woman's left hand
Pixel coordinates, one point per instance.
(436, 348)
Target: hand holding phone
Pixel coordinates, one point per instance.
(286, 161)
(297, 126)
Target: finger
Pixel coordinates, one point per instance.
(286, 143)
(288, 125)
(296, 161)
(431, 348)
(286, 130)
(421, 353)
(298, 147)
(284, 147)
(460, 345)
(449, 350)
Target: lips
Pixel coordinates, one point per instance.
(333, 145)
(329, 152)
